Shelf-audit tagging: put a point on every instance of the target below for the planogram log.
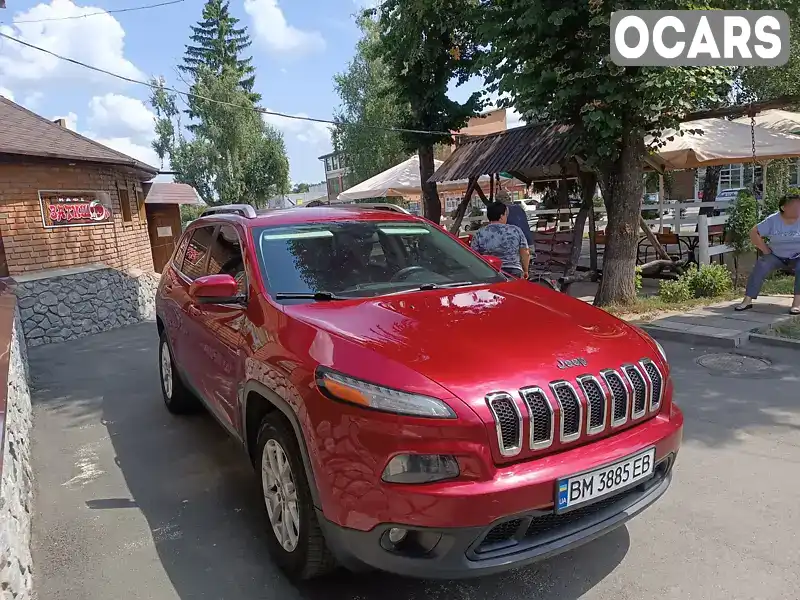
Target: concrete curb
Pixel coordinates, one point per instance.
(769, 340)
(674, 335)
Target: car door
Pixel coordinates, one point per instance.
(218, 330)
(186, 352)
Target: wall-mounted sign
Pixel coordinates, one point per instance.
(165, 232)
(74, 208)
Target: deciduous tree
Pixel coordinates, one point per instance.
(551, 58)
(425, 45)
(368, 103)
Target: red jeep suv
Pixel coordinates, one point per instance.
(408, 406)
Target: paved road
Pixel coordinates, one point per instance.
(134, 503)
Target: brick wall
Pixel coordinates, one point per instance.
(31, 247)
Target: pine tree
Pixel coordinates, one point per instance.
(218, 45)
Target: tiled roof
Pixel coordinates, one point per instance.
(25, 133)
(528, 152)
(171, 193)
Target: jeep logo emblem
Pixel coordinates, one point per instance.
(574, 362)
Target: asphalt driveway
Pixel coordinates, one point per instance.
(134, 503)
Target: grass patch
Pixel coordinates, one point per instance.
(652, 306)
(787, 329)
(779, 285)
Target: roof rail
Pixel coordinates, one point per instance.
(379, 206)
(244, 210)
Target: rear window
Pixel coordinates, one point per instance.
(364, 258)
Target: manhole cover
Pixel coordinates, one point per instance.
(733, 363)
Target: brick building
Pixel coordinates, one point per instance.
(67, 201)
(74, 229)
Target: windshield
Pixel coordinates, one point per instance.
(365, 259)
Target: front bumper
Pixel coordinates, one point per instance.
(515, 541)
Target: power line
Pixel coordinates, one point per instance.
(221, 102)
(100, 12)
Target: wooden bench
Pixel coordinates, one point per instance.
(554, 262)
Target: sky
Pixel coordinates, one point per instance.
(298, 46)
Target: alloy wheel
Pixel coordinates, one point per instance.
(280, 495)
(166, 369)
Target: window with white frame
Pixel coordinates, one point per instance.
(451, 204)
(794, 173)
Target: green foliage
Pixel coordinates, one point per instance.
(426, 45)
(674, 291)
(549, 59)
(709, 281)
(368, 99)
(226, 152)
(300, 188)
(638, 281)
(762, 83)
(742, 217)
(233, 156)
(218, 45)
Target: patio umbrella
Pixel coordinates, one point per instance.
(400, 180)
(776, 120)
(723, 142)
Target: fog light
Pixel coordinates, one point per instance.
(397, 535)
(420, 468)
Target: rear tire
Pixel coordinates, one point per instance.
(295, 539)
(177, 398)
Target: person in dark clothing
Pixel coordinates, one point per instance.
(517, 216)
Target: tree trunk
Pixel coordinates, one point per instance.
(621, 184)
(431, 205)
(710, 189)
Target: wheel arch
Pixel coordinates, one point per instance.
(258, 401)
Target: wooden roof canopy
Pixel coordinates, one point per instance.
(529, 153)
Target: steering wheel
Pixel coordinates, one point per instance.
(403, 274)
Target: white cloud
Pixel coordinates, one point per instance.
(309, 132)
(121, 131)
(98, 41)
(144, 153)
(31, 101)
(6, 93)
(118, 115)
(276, 34)
(513, 118)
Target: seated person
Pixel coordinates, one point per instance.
(783, 230)
(506, 242)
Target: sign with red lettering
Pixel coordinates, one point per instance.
(74, 208)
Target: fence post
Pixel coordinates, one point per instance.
(702, 233)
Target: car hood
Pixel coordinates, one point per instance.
(477, 340)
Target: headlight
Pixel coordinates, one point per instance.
(368, 395)
(420, 468)
(661, 350)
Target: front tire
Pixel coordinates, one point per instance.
(294, 535)
(177, 398)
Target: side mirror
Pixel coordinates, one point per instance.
(215, 289)
(494, 261)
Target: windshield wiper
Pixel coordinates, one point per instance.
(318, 296)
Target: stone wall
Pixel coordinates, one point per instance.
(62, 305)
(16, 487)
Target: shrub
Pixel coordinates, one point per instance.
(709, 281)
(674, 291)
(638, 280)
(743, 216)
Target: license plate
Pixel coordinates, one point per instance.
(580, 489)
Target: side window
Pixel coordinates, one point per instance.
(181, 250)
(226, 257)
(194, 262)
